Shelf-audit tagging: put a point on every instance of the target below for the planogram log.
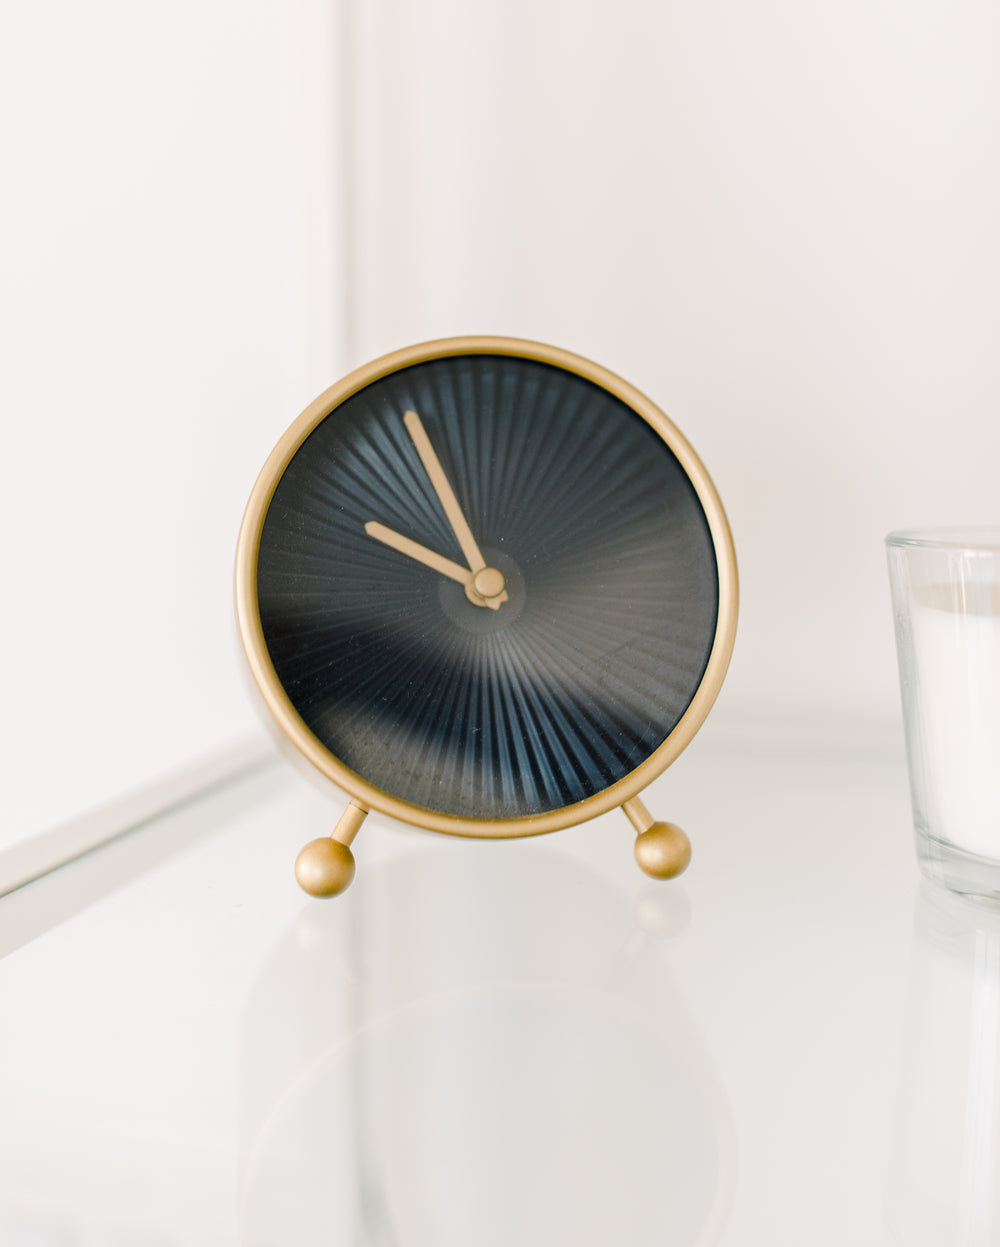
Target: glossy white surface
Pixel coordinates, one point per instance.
(521, 1042)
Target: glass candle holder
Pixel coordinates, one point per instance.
(946, 602)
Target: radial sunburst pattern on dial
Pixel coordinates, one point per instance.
(558, 690)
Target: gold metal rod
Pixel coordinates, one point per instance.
(638, 815)
(349, 823)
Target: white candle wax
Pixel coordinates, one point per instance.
(956, 643)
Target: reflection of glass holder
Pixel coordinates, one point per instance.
(476, 1050)
(944, 1184)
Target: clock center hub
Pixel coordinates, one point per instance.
(489, 582)
(468, 609)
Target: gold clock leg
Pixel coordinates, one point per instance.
(325, 867)
(661, 849)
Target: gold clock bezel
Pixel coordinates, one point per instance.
(310, 747)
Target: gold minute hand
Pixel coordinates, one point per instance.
(444, 491)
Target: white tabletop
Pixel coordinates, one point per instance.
(507, 1043)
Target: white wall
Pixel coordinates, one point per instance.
(168, 306)
(779, 219)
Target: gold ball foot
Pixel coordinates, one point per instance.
(663, 850)
(325, 867)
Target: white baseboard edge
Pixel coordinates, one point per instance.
(47, 851)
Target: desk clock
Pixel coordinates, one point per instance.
(487, 588)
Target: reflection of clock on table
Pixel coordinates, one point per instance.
(487, 588)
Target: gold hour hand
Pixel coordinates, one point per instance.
(414, 550)
(477, 584)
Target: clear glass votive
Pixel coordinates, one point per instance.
(946, 603)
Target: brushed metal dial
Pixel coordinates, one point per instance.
(603, 576)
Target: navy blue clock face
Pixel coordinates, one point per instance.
(511, 649)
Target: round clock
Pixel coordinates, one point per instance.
(487, 588)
